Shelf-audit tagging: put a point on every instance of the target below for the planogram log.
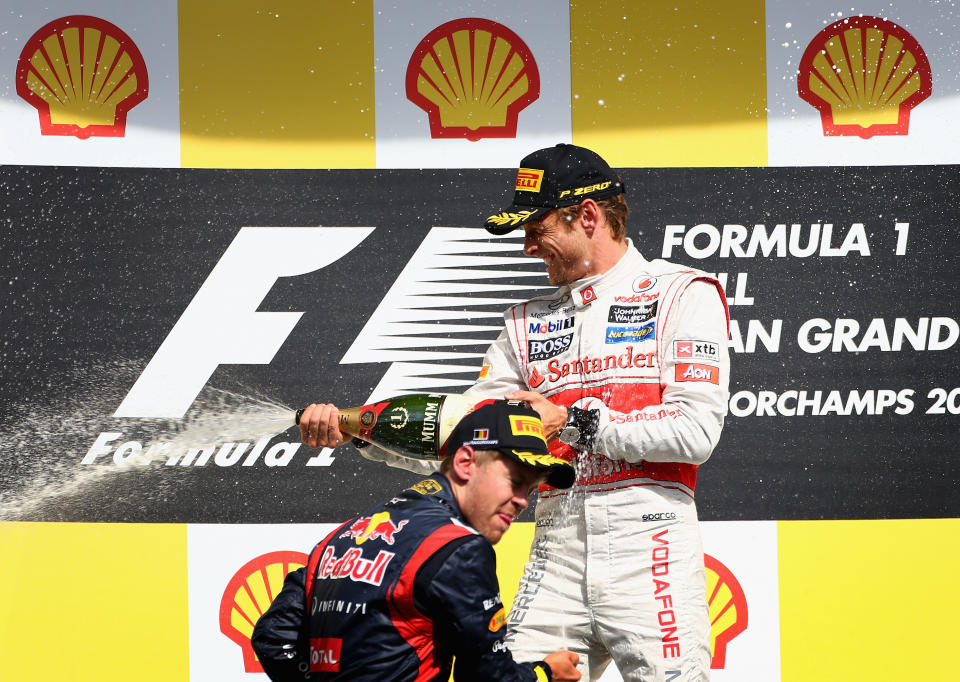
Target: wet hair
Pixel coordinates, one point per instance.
(615, 208)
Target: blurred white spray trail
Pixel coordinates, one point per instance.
(34, 486)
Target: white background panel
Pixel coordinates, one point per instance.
(795, 133)
(152, 136)
(403, 129)
(216, 552)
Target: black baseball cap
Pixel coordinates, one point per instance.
(514, 429)
(550, 178)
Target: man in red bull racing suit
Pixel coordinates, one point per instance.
(627, 364)
(395, 594)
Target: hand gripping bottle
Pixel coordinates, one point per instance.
(413, 425)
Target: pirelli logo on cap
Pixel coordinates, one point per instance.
(526, 426)
(529, 179)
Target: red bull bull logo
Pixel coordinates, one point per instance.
(376, 527)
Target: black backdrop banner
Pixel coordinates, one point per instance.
(845, 389)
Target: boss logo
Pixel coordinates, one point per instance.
(548, 348)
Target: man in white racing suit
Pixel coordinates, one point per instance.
(627, 365)
(627, 362)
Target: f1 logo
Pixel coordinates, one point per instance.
(228, 300)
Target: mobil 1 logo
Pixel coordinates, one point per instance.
(541, 349)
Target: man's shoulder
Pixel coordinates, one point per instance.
(552, 301)
(664, 268)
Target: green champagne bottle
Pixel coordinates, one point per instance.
(411, 425)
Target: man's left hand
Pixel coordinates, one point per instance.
(554, 417)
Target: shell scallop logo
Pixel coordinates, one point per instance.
(83, 75)
(249, 593)
(864, 75)
(473, 77)
(728, 608)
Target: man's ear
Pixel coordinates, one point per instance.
(464, 463)
(590, 216)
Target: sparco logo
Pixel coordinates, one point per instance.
(660, 516)
(548, 348)
(550, 327)
(624, 314)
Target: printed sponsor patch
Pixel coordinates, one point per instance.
(691, 349)
(353, 566)
(551, 326)
(325, 654)
(588, 295)
(498, 621)
(377, 527)
(526, 426)
(638, 298)
(529, 179)
(644, 283)
(484, 371)
(548, 348)
(623, 314)
(426, 487)
(630, 334)
(690, 371)
(588, 189)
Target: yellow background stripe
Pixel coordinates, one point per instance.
(512, 553)
(868, 600)
(681, 84)
(289, 85)
(93, 602)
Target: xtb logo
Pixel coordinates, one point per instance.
(228, 300)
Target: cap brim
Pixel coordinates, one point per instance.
(511, 218)
(560, 474)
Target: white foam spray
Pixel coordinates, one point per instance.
(41, 450)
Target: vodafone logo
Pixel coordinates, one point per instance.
(644, 283)
(588, 295)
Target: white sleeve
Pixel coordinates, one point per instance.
(686, 426)
(423, 467)
(500, 374)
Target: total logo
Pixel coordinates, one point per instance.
(325, 654)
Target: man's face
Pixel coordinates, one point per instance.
(562, 246)
(498, 491)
